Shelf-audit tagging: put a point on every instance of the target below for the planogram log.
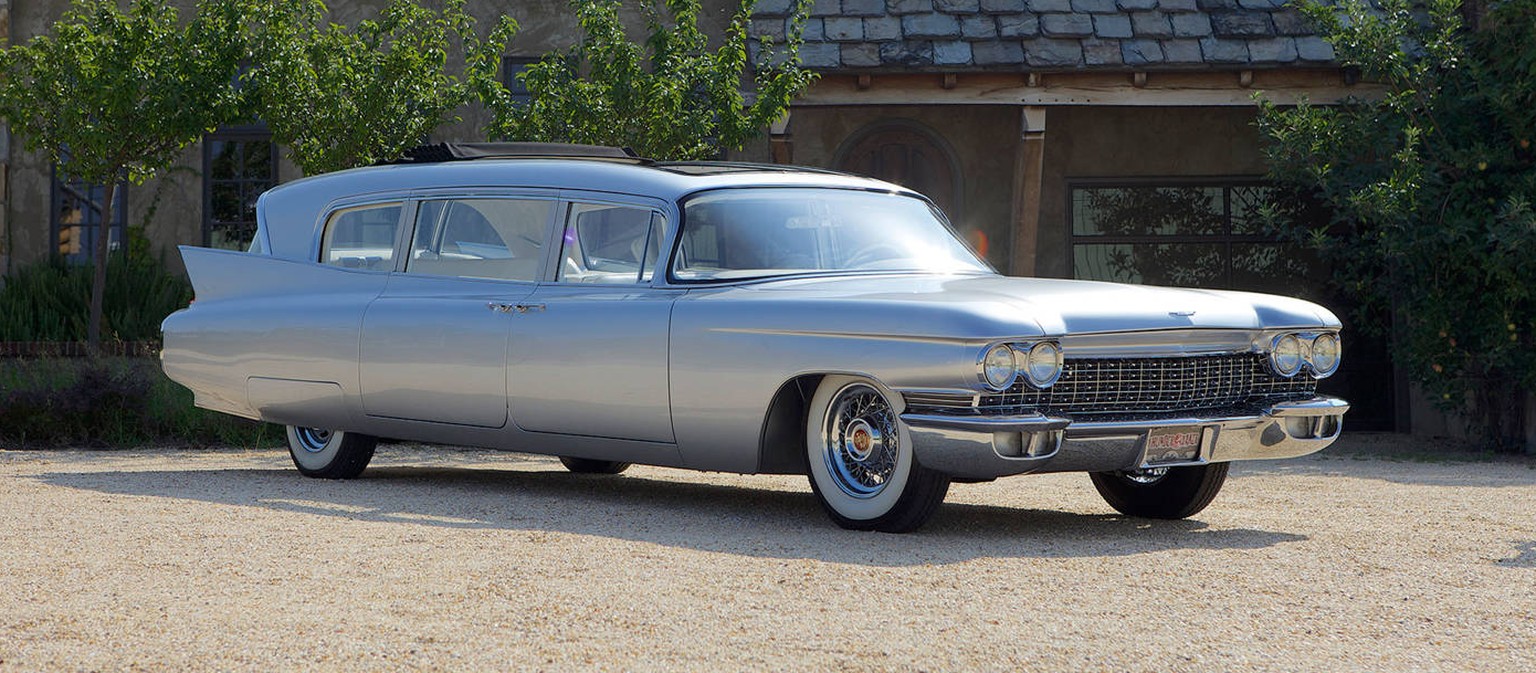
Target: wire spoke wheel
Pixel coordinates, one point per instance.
(861, 443)
(862, 467)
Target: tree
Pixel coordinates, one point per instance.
(341, 98)
(114, 95)
(669, 98)
(1432, 190)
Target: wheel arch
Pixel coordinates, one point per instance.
(781, 441)
(779, 449)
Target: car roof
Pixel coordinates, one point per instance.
(289, 213)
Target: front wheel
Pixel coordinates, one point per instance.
(1162, 493)
(330, 454)
(862, 468)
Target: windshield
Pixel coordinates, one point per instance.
(753, 233)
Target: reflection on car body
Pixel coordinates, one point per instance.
(580, 302)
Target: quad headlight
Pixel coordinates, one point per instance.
(1285, 355)
(1326, 354)
(1043, 365)
(1001, 365)
(1318, 353)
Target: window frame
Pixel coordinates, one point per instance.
(1226, 239)
(414, 207)
(568, 204)
(57, 182)
(234, 134)
(407, 215)
(511, 66)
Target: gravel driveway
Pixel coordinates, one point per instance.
(470, 560)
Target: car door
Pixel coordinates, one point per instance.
(434, 343)
(589, 356)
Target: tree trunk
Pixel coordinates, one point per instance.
(99, 278)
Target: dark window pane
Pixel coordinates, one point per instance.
(1148, 211)
(1248, 206)
(258, 161)
(1182, 264)
(1278, 267)
(511, 67)
(223, 159)
(76, 218)
(225, 202)
(239, 170)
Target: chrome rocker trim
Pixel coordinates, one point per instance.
(973, 447)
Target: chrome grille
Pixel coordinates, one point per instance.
(1153, 385)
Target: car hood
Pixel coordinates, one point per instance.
(1055, 306)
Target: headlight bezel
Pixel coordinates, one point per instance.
(1274, 354)
(1056, 361)
(1022, 353)
(984, 364)
(1307, 349)
(1312, 351)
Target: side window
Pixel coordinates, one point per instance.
(610, 244)
(480, 238)
(362, 238)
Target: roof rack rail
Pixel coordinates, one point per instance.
(682, 166)
(441, 152)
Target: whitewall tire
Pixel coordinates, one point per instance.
(330, 454)
(862, 468)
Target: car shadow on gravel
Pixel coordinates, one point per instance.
(725, 519)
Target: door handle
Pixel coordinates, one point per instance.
(500, 307)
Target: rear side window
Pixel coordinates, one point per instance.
(362, 238)
(614, 245)
(480, 238)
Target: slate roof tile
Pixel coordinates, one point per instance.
(1010, 35)
(1151, 24)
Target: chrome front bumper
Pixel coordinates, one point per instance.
(979, 447)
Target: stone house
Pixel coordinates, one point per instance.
(1100, 139)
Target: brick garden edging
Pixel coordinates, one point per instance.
(76, 349)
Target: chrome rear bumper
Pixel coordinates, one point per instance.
(978, 447)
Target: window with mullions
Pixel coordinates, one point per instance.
(511, 67)
(76, 217)
(237, 168)
(1209, 234)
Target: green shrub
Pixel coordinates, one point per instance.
(50, 301)
(114, 402)
(1433, 191)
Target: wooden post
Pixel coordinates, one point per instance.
(780, 141)
(1027, 167)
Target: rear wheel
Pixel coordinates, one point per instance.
(590, 466)
(330, 454)
(862, 468)
(1162, 493)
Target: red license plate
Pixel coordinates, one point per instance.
(1172, 445)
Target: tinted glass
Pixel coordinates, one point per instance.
(610, 244)
(1147, 211)
(480, 238)
(748, 233)
(362, 238)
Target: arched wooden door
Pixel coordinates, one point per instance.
(908, 156)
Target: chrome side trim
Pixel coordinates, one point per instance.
(1021, 423)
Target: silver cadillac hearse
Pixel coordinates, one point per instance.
(583, 303)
